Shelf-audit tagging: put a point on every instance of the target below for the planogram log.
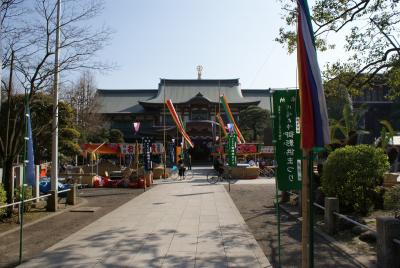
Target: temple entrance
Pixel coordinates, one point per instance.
(202, 133)
(201, 153)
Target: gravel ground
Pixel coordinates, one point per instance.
(255, 203)
(46, 233)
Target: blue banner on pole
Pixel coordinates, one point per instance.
(30, 165)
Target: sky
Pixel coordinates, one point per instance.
(156, 39)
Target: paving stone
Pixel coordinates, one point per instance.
(171, 225)
(215, 259)
(179, 260)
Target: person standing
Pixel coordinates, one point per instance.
(189, 161)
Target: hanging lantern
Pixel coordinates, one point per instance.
(136, 126)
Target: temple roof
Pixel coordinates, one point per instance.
(182, 91)
(120, 101)
(113, 101)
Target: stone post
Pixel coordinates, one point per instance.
(148, 178)
(388, 252)
(35, 188)
(52, 202)
(13, 174)
(19, 175)
(72, 195)
(331, 206)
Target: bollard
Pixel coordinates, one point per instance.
(388, 253)
(331, 206)
(149, 178)
(52, 202)
(13, 174)
(20, 175)
(72, 195)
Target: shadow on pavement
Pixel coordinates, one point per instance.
(122, 247)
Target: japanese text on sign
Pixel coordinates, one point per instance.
(232, 150)
(287, 139)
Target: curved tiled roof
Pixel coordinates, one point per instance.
(181, 91)
(113, 101)
(119, 101)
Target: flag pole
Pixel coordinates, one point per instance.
(314, 120)
(311, 208)
(165, 148)
(219, 112)
(305, 198)
(22, 187)
(278, 215)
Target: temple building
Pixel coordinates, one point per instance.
(196, 101)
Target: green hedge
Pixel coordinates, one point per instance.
(354, 175)
(3, 201)
(27, 195)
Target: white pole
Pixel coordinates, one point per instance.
(54, 147)
(37, 180)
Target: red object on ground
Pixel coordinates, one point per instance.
(133, 185)
(140, 183)
(98, 182)
(106, 182)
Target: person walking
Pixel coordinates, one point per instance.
(181, 168)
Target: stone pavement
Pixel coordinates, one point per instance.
(183, 224)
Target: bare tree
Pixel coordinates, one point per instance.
(81, 96)
(33, 43)
(8, 9)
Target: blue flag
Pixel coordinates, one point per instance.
(30, 165)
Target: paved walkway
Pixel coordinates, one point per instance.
(189, 224)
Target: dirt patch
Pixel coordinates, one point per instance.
(255, 203)
(36, 212)
(42, 235)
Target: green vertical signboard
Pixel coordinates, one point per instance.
(232, 149)
(288, 155)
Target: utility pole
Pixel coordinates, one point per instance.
(54, 146)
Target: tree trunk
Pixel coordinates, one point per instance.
(7, 180)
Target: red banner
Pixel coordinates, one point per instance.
(246, 148)
(178, 122)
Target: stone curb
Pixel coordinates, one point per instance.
(356, 257)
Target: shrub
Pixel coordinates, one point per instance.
(27, 195)
(353, 174)
(3, 201)
(392, 200)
